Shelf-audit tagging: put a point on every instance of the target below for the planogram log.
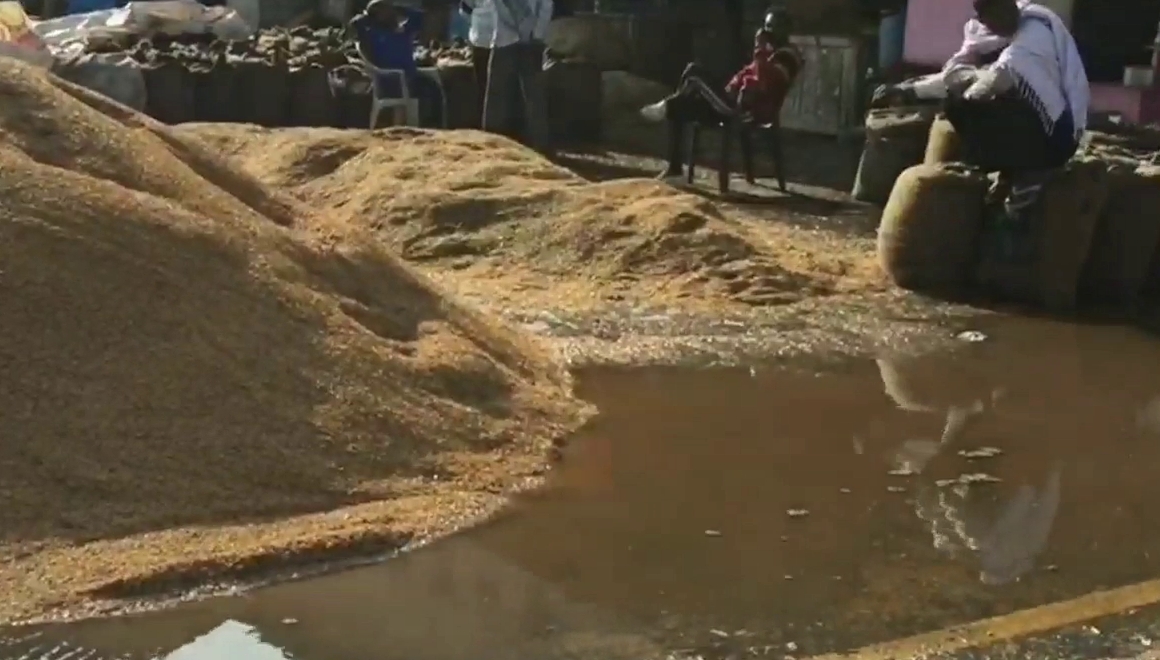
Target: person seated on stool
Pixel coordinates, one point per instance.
(386, 38)
(754, 95)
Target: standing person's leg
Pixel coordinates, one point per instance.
(430, 97)
(501, 77)
(479, 61)
(531, 77)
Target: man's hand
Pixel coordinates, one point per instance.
(887, 96)
(986, 85)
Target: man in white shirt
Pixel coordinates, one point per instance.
(1016, 93)
(517, 56)
(480, 35)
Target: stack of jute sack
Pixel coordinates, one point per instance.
(1093, 236)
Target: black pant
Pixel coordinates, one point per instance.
(479, 59)
(696, 101)
(479, 62)
(1006, 135)
(515, 79)
(430, 95)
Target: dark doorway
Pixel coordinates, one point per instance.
(1114, 34)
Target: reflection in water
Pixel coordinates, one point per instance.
(1148, 419)
(1005, 548)
(229, 641)
(454, 600)
(913, 455)
(669, 519)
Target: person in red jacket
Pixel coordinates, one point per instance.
(754, 94)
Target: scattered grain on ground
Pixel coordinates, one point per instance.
(503, 225)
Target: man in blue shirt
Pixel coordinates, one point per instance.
(86, 6)
(386, 36)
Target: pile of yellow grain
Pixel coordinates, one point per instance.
(191, 385)
(495, 220)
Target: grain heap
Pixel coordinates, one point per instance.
(499, 222)
(191, 386)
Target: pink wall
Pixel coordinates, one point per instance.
(1136, 105)
(934, 29)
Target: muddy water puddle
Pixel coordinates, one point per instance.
(769, 511)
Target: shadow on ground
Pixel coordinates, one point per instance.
(805, 205)
(817, 161)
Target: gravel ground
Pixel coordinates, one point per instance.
(1132, 635)
(856, 326)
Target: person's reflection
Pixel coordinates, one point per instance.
(1003, 544)
(1008, 548)
(912, 456)
(1148, 418)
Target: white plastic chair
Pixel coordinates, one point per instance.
(405, 102)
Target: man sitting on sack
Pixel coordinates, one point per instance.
(1016, 93)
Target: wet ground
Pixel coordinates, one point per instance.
(809, 507)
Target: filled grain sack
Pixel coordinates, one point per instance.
(1060, 234)
(895, 139)
(312, 102)
(575, 94)
(929, 228)
(600, 39)
(170, 93)
(115, 75)
(1126, 237)
(625, 93)
(942, 143)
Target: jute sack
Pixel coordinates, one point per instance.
(1126, 237)
(942, 143)
(929, 229)
(1062, 226)
(895, 140)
